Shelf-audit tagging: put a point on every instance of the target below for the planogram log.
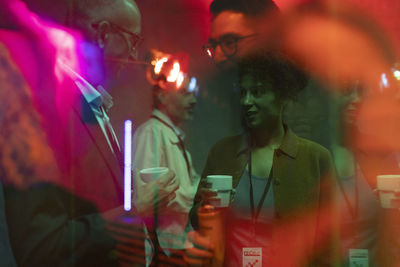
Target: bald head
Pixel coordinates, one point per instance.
(112, 25)
(85, 13)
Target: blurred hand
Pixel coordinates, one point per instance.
(206, 193)
(376, 193)
(395, 203)
(157, 194)
(202, 251)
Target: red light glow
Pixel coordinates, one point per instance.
(158, 64)
(173, 74)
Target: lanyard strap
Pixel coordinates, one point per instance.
(181, 144)
(254, 214)
(353, 210)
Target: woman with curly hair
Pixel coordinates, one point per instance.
(283, 206)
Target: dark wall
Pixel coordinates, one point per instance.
(179, 25)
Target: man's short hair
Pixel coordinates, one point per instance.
(251, 8)
(286, 79)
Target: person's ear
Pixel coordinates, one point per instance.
(162, 97)
(102, 33)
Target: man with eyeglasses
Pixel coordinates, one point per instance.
(114, 29)
(59, 154)
(235, 28)
(133, 40)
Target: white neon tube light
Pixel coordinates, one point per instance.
(128, 166)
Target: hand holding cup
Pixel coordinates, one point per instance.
(158, 190)
(221, 187)
(202, 251)
(388, 187)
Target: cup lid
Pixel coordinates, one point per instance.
(154, 170)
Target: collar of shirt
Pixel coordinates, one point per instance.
(96, 103)
(95, 98)
(91, 95)
(168, 121)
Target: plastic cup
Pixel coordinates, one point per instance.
(151, 174)
(223, 185)
(387, 186)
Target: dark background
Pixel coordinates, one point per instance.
(182, 25)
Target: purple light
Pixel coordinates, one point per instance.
(128, 166)
(61, 42)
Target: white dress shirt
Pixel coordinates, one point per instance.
(157, 145)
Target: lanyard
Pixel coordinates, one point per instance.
(181, 144)
(353, 210)
(254, 214)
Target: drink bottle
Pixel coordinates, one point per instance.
(211, 226)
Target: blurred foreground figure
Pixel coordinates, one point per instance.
(60, 161)
(6, 254)
(159, 142)
(341, 46)
(46, 229)
(284, 200)
(360, 209)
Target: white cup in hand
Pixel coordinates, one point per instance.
(223, 185)
(388, 186)
(151, 174)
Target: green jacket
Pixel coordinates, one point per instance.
(305, 225)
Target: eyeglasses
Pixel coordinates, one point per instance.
(135, 40)
(227, 42)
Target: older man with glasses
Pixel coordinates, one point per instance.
(60, 159)
(133, 40)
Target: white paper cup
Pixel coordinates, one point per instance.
(387, 185)
(150, 174)
(223, 185)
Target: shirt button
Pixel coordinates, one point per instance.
(276, 182)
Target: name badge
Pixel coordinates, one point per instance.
(358, 257)
(252, 257)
